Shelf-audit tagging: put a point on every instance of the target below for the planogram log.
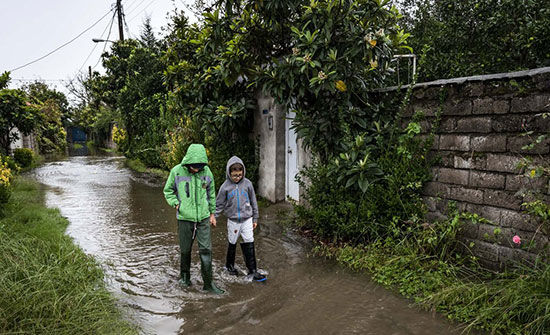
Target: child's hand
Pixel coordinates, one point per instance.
(254, 225)
(212, 220)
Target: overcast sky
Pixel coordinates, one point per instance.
(30, 29)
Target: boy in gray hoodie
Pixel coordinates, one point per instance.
(237, 200)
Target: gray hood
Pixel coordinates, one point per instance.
(232, 161)
(237, 200)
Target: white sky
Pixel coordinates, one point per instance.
(30, 29)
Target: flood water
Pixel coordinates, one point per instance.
(122, 220)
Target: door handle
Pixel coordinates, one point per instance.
(289, 150)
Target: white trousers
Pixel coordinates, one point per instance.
(244, 229)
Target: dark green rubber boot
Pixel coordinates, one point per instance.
(185, 270)
(206, 271)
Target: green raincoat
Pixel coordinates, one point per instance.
(194, 192)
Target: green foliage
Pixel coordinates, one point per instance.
(370, 190)
(15, 112)
(24, 157)
(219, 154)
(132, 94)
(8, 169)
(473, 37)
(53, 111)
(515, 302)
(340, 50)
(47, 284)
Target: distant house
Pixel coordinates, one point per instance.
(24, 141)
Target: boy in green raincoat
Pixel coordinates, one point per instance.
(190, 190)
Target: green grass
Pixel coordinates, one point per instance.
(513, 302)
(138, 166)
(47, 284)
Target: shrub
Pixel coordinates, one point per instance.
(24, 157)
(370, 191)
(6, 177)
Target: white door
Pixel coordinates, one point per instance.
(292, 187)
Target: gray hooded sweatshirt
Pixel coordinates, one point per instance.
(237, 200)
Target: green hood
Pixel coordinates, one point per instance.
(196, 153)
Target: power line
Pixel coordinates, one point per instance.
(133, 9)
(105, 43)
(130, 4)
(37, 79)
(144, 8)
(51, 52)
(95, 44)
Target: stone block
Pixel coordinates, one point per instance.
(489, 143)
(487, 180)
(453, 176)
(409, 111)
(454, 142)
(509, 123)
(516, 144)
(542, 81)
(490, 106)
(502, 163)
(447, 125)
(490, 213)
(457, 108)
(435, 216)
(474, 125)
(524, 183)
(469, 230)
(487, 251)
(530, 104)
(426, 108)
(425, 126)
(436, 189)
(469, 161)
(431, 203)
(511, 257)
(486, 233)
(517, 220)
(466, 194)
(501, 199)
(432, 93)
(474, 89)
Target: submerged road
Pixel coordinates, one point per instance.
(123, 221)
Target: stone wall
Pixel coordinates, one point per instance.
(481, 142)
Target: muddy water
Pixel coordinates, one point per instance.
(124, 222)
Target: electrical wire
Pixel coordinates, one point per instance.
(105, 43)
(51, 52)
(38, 79)
(95, 44)
(133, 9)
(130, 4)
(144, 8)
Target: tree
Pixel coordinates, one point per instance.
(53, 109)
(132, 93)
(473, 37)
(15, 112)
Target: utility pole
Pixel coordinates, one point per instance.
(119, 12)
(90, 71)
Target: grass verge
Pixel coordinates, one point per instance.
(138, 166)
(48, 285)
